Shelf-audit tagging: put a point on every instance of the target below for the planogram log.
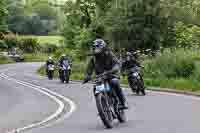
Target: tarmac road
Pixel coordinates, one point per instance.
(22, 105)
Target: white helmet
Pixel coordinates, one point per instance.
(50, 58)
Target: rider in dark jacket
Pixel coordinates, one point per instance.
(129, 62)
(104, 62)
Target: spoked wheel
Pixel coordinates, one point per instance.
(104, 110)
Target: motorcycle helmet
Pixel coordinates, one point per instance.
(98, 46)
(50, 58)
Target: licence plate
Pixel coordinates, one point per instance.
(100, 88)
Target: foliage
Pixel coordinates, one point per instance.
(48, 48)
(3, 15)
(5, 60)
(83, 39)
(36, 17)
(3, 45)
(39, 57)
(187, 35)
(12, 41)
(26, 44)
(170, 64)
(124, 23)
(135, 24)
(29, 45)
(43, 40)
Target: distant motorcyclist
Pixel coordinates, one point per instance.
(50, 66)
(104, 62)
(64, 67)
(130, 62)
(132, 67)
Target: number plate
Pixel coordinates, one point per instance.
(100, 88)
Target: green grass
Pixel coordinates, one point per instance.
(178, 84)
(35, 57)
(178, 70)
(48, 39)
(4, 60)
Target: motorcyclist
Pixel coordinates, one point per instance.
(49, 62)
(62, 61)
(104, 62)
(130, 62)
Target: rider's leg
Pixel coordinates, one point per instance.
(116, 85)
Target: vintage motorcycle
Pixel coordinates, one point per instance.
(107, 102)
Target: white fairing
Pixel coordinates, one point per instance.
(51, 67)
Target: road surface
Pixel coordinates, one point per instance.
(22, 104)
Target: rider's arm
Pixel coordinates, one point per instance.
(123, 67)
(89, 71)
(47, 63)
(115, 63)
(90, 67)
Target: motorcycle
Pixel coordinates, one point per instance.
(50, 71)
(136, 81)
(107, 102)
(65, 70)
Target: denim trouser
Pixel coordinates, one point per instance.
(114, 83)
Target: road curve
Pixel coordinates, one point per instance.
(154, 113)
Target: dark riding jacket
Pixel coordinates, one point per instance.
(104, 62)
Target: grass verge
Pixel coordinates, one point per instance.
(5, 60)
(35, 57)
(177, 84)
(47, 39)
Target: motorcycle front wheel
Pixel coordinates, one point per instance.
(103, 108)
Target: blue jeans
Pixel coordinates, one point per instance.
(114, 83)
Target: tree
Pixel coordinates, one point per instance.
(3, 15)
(32, 17)
(134, 24)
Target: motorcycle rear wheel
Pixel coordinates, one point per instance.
(121, 116)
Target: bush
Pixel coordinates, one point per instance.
(171, 65)
(28, 44)
(12, 41)
(48, 48)
(187, 35)
(3, 45)
(35, 57)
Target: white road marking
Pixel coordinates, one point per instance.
(52, 95)
(72, 105)
(177, 95)
(171, 94)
